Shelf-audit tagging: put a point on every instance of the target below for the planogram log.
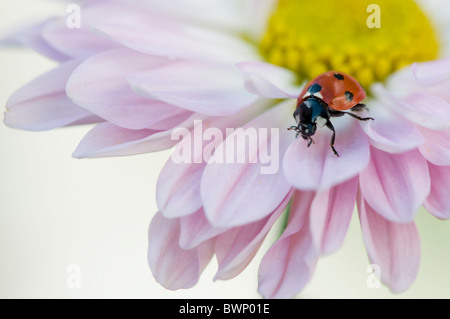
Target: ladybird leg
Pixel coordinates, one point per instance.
(358, 117)
(333, 137)
(334, 113)
(294, 128)
(310, 141)
(359, 107)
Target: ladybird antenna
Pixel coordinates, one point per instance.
(294, 128)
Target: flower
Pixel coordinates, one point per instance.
(143, 70)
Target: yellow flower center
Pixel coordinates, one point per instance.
(366, 41)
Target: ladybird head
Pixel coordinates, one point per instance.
(306, 114)
(304, 129)
(307, 129)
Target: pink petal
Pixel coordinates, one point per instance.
(99, 85)
(203, 87)
(178, 185)
(223, 15)
(195, 229)
(421, 106)
(431, 77)
(236, 248)
(331, 212)
(81, 42)
(436, 148)
(395, 185)
(316, 167)
(438, 202)
(50, 83)
(432, 71)
(426, 78)
(289, 264)
(392, 247)
(390, 132)
(236, 193)
(42, 104)
(31, 37)
(107, 139)
(172, 266)
(160, 35)
(425, 109)
(268, 80)
(178, 188)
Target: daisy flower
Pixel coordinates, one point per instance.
(143, 70)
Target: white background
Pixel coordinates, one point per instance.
(56, 211)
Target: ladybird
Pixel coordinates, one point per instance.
(328, 95)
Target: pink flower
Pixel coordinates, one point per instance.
(141, 71)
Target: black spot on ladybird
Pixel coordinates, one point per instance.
(349, 96)
(339, 76)
(314, 88)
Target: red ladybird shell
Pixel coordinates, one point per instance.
(339, 90)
